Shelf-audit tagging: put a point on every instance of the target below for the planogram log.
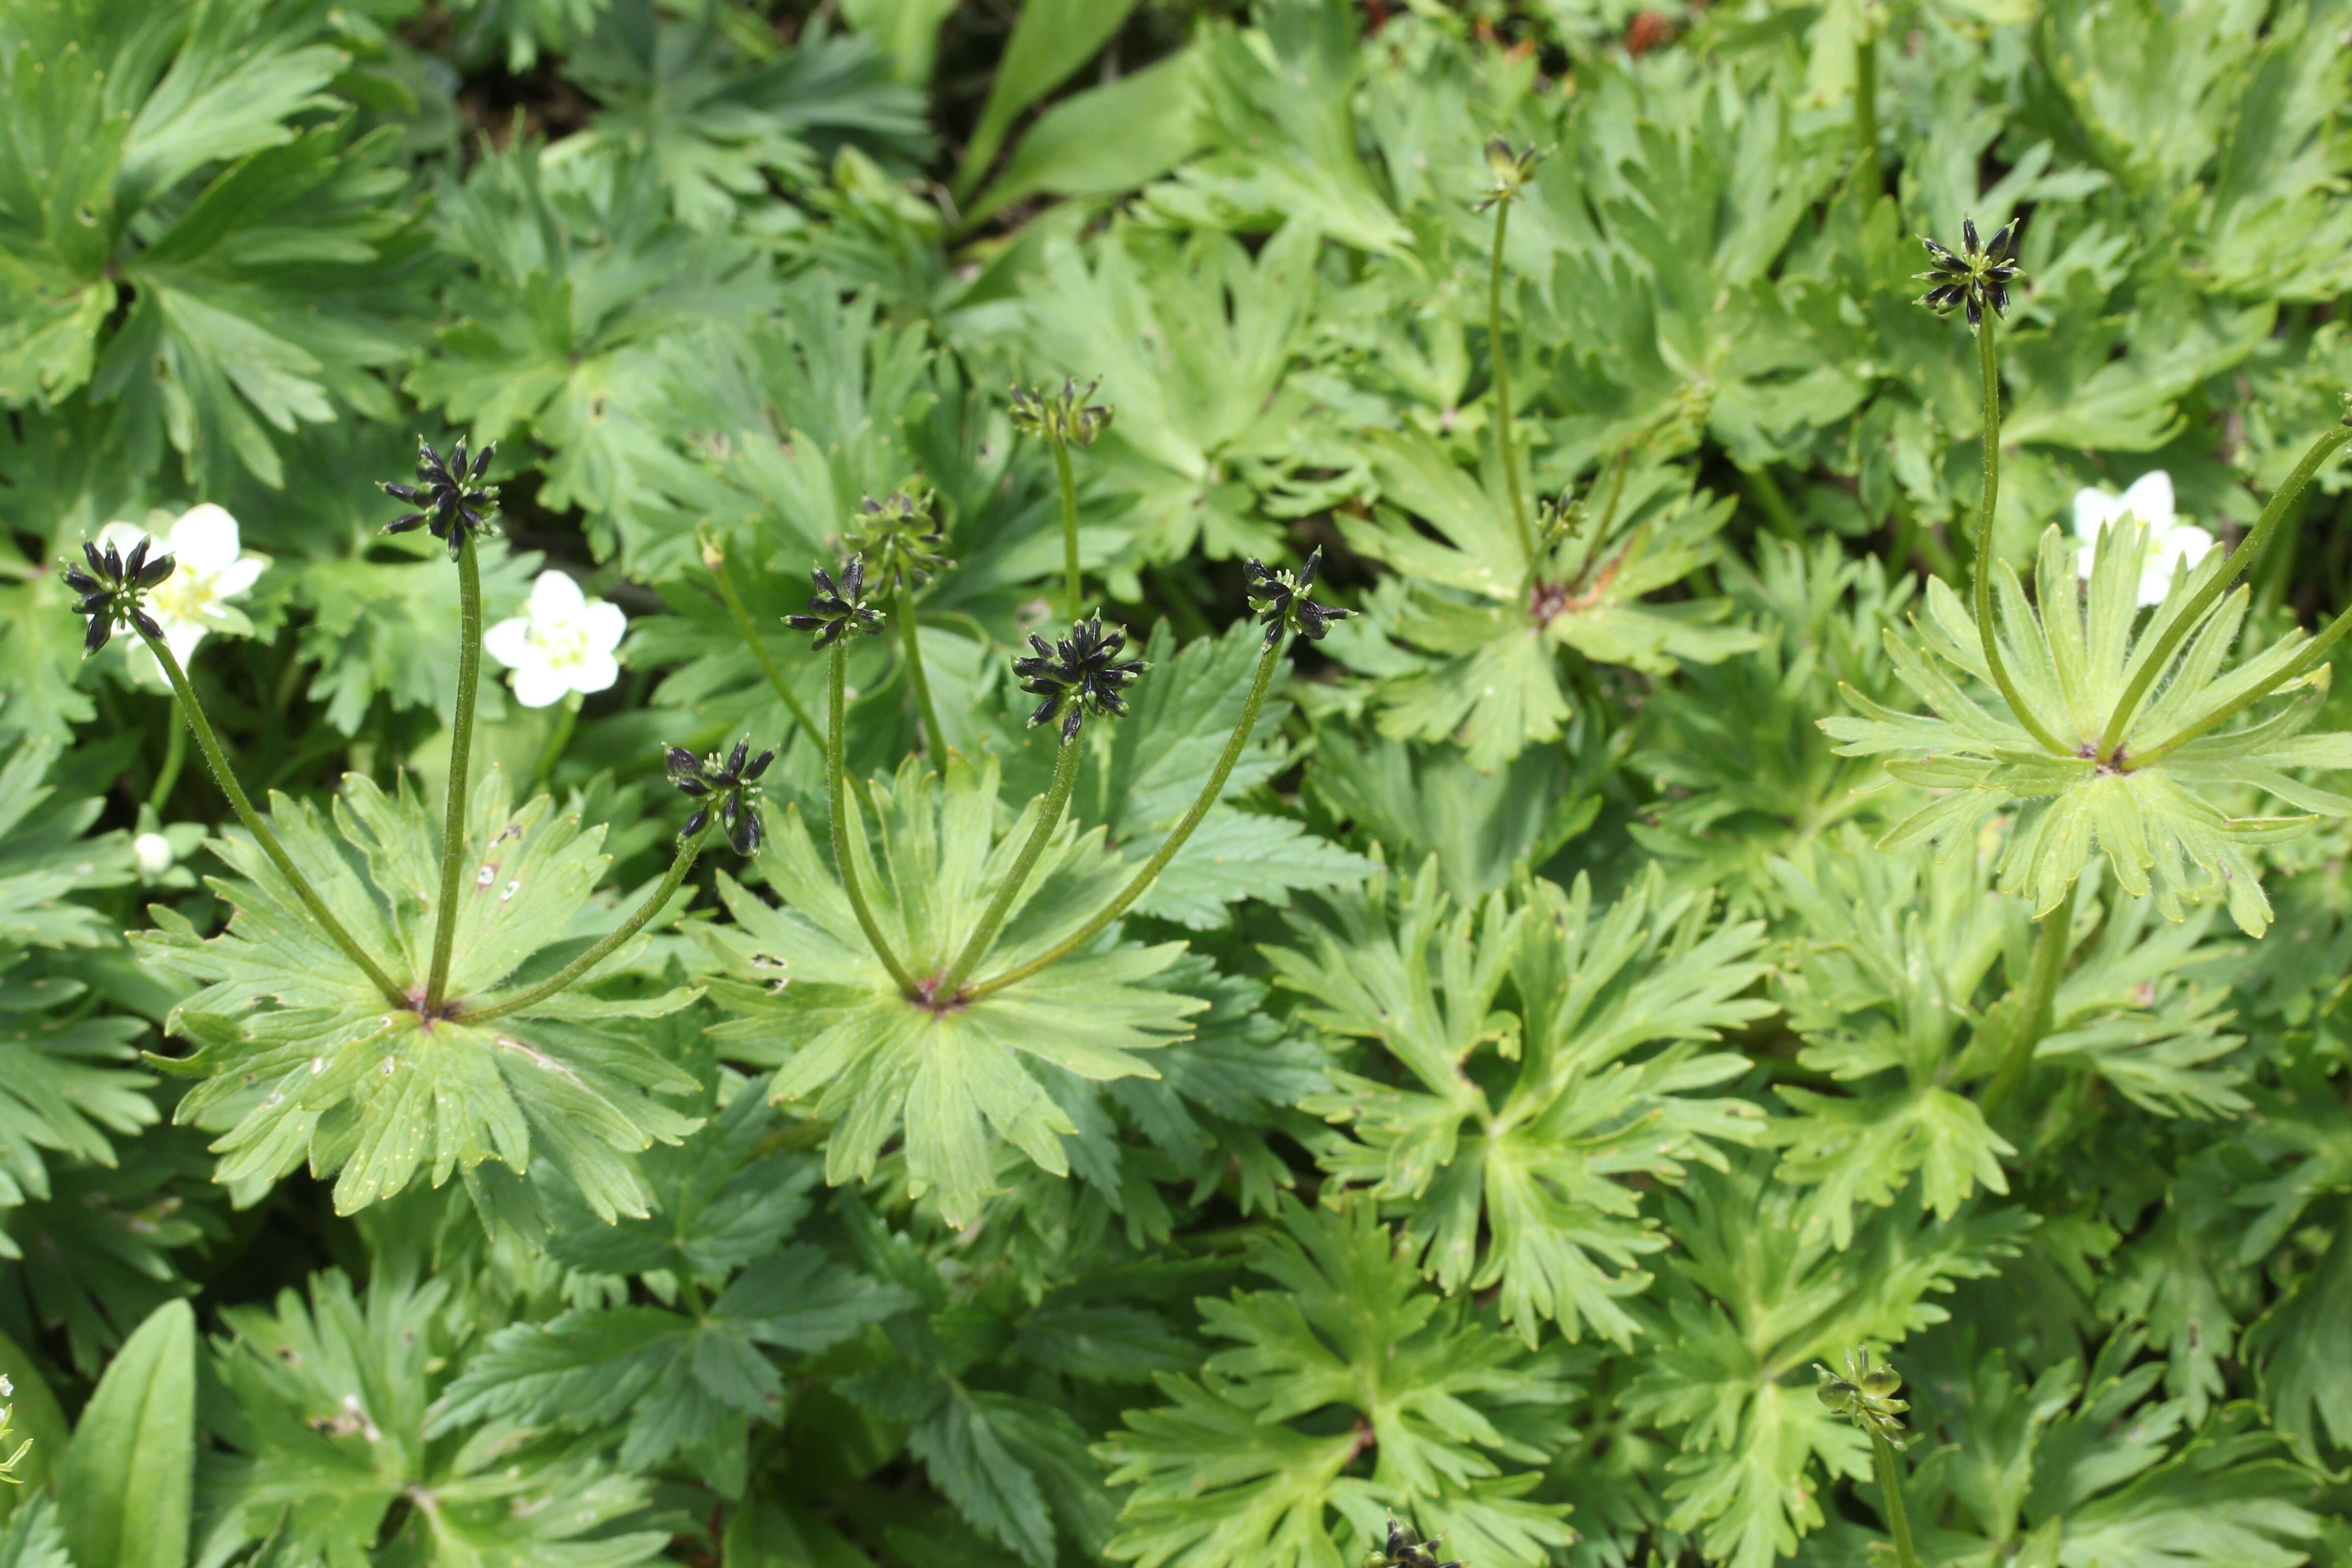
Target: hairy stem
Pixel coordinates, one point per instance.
(2241, 561)
(1142, 881)
(934, 738)
(717, 561)
(1074, 578)
(461, 756)
(1988, 364)
(837, 770)
(176, 757)
(992, 920)
(2303, 664)
(1867, 169)
(1898, 1518)
(1503, 386)
(210, 745)
(578, 969)
(2033, 1013)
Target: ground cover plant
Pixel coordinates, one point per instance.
(1174, 782)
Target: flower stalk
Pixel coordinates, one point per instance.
(1074, 578)
(2035, 1007)
(689, 849)
(209, 743)
(1503, 387)
(934, 738)
(992, 920)
(1988, 633)
(461, 756)
(837, 772)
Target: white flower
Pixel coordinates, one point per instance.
(152, 854)
(2171, 542)
(211, 568)
(561, 643)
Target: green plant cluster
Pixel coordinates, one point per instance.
(1192, 784)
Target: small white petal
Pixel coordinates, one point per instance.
(237, 576)
(595, 671)
(606, 624)
(182, 638)
(508, 642)
(204, 537)
(539, 686)
(2150, 500)
(554, 597)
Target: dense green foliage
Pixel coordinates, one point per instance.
(1736, 898)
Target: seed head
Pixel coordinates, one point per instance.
(898, 533)
(109, 589)
(727, 784)
(1974, 277)
(836, 609)
(1064, 418)
(1080, 674)
(450, 498)
(1866, 1395)
(1403, 1548)
(1510, 169)
(1280, 600)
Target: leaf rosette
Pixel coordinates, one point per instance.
(301, 1057)
(2144, 798)
(948, 1078)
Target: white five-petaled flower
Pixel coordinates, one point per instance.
(2171, 542)
(211, 568)
(562, 642)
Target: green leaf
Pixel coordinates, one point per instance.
(125, 1488)
(301, 1059)
(1051, 39)
(857, 1053)
(1108, 139)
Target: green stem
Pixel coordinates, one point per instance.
(1503, 385)
(2302, 665)
(1898, 1518)
(1142, 881)
(176, 757)
(2242, 559)
(934, 738)
(1070, 572)
(578, 969)
(716, 560)
(552, 753)
(210, 745)
(1867, 166)
(992, 920)
(2033, 1013)
(1988, 364)
(837, 767)
(1773, 503)
(461, 757)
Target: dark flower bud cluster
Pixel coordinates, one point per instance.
(1280, 600)
(1080, 674)
(109, 592)
(836, 609)
(1974, 277)
(1403, 1548)
(898, 533)
(450, 498)
(1511, 169)
(1064, 418)
(728, 785)
(1866, 1395)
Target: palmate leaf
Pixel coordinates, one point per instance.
(1489, 675)
(2083, 1466)
(1534, 1122)
(300, 1058)
(854, 1051)
(2071, 656)
(1747, 1309)
(159, 159)
(325, 1417)
(1246, 1464)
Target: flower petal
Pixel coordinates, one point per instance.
(204, 537)
(237, 576)
(539, 686)
(555, 597)
(2093, 509)
(595, 671)
(606, 624)
(2150, 500)
(509, 643)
